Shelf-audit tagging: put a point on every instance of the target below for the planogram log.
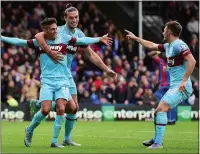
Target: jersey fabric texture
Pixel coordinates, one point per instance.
(175, 53)
(72, 50)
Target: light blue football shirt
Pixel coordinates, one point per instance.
(175, 52)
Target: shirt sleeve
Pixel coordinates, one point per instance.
(32, 43)
(82, 41)
(81, 34)
(162, 47)
(183, 49)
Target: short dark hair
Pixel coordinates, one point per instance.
(69, 8)
(47, 22)
(175, 27)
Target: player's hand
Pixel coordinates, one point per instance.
(130, 35)
(112, 74)
(182, 87)
(106, 40)
(153, 53)
(56, 56)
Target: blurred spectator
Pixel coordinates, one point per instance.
(154, 83)
(132, 88)
(120, 93)
(194, 47)
(21, 64)
(144, 83)
(118, 65)
(39, 11)
(30, 90)
(116, 42)
(127, 71)
(148, 98)
(97, 81)
(138, 96)
(193, 25)
(103, 95)
(134, 63)
(93, 95)
(86, 98)
(13, 91)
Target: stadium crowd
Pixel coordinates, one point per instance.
(20, 72)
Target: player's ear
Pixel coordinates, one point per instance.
(45, 30)
(65, 17)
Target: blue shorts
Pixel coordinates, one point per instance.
(161, 92)
(173, 96)
(54, 90)
(72, 87)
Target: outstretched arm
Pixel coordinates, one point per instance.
(95, 59)
(146, 44)
(14, 41)
(89, 40)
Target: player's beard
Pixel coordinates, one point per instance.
(74, 25)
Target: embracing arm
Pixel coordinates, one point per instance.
(55, 55)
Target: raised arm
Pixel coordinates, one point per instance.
(95, 59)
(89, 40)
(19, 42)
(14, 41)
(146, 44)
(55, 55)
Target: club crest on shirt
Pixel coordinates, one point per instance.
(183, 47)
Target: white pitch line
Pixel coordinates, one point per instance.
(169, 132)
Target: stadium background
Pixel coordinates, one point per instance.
(138, 74)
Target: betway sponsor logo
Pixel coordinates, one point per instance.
(12, 115)
(56, 47)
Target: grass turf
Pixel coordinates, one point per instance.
(102, 137)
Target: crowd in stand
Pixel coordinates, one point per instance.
(20, 72)
(187, 13)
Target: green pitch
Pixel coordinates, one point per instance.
(102, 137)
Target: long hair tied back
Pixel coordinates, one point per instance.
(68, 5)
